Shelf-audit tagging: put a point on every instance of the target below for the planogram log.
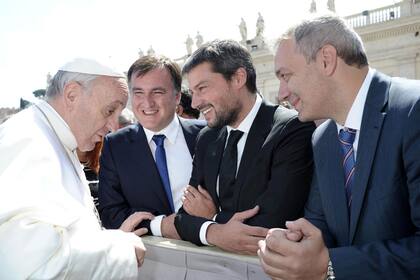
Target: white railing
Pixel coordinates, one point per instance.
(180, 260)
(374, 16)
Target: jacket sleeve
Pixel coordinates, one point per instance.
(289, 177)
(188, 226)
(113, 207)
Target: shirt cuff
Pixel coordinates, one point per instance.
(155, 225)
(203, 232)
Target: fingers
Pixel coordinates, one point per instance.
(278, 242)
(140, 231)
(255, 231)
(242, 216)
(294, 235)
(267, 261)
(204, 192)
(138, 217)
(192, 191)
(303, 226)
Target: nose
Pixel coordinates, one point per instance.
(147, 100)
(284, 92)
(112, 123)
(195, 101)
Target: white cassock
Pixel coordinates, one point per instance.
(48, 228)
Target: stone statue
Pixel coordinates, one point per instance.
(312, 10)
(198, 40)
(151, 51)
(189, 43)
(331, 5)
(49, 77)
(260, 26)
(141, 54)
(243, 30)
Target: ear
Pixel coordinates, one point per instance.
(239, 78)
(71, 93)
(178, 97)
(327, 59)
(179, 110)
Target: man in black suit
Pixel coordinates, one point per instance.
(130, 176)
(253, 164)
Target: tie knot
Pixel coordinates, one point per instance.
(158, 139)
(234, 137)
(347, 136)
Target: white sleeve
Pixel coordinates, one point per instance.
(155, 225)
(31, 247)
(203, 232)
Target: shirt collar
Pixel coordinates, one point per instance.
(59, 126)
(246, 124)
(355, 115)
(170, 131)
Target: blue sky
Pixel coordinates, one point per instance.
(36, 37)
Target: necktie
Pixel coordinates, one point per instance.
(346, 139)
(227, 171)
(160, 157)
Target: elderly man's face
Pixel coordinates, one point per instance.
(154, 99)
(97, 110)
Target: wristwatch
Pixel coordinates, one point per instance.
(330, 271)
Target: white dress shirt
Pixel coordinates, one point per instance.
(355, 115)
(179, 163)
(244, 126)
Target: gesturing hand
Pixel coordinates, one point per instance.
(133, 220)
(283, 256)
(235, 236)
(198, 202)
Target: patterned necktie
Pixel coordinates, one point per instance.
(346, 138)
(227, 172)
(160, 157)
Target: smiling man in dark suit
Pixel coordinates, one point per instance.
(253, 164)
(362, 219)
(146, 166)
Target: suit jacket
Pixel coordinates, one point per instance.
(275, 171)
(129, 180)
(381, 239)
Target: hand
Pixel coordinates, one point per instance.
(168, 229)
(139, 249)
(198, 202)
(282, 258)
(235, 236)
(133, 220)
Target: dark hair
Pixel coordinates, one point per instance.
(226, 57)
(186, 99)
(148, 63)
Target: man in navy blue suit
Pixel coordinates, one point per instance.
(139, 172)
(362, 218)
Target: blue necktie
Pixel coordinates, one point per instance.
(160, 157)
(346, 139)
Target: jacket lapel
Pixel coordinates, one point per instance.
(144, 165)
(258, 132)
(189, 136)
(370, 130)
(214, 155)
(331, 181)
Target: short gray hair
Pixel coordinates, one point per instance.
(311, 35)
(62, 78)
